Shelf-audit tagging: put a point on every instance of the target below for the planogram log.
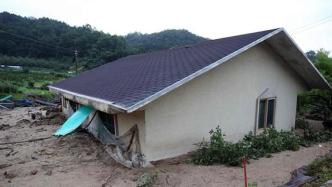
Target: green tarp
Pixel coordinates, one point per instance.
(74, 121)
(6, 98)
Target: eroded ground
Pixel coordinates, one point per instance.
(79, 160)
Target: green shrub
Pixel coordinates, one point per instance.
(8, 87)
(301, 123)
(270, 141)
(217, 150)
(311, 137)
(322, 169)
(147, 179)
(31, 85)
(252, 184)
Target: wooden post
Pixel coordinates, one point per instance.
(244, 164)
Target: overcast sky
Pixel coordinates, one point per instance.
(208, 18)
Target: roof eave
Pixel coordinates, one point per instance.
(323, 83)
(100, 104)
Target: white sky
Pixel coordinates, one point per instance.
(208, 18)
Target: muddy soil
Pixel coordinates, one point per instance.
(79, 160)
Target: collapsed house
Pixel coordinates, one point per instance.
(157, 105)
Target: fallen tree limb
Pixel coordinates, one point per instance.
(24, 141)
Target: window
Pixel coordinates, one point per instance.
(109, 120)
(74, 106)
(266, 113)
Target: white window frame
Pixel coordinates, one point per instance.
(266, 94)
(266, 112)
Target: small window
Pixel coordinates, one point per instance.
(266, 113)
(109, 121)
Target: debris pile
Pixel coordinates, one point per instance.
(124, 149)
(299, 178)
(8, 102)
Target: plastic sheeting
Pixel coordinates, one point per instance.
(124, 149)
(299, 178)
(74, 121)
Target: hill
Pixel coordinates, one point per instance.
(161, 40)
(32, 42)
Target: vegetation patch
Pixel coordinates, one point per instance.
(219, 151)
(20, 82)
(310, 136)
(147, 179)
(322, 169)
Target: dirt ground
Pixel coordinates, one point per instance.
(79, 160)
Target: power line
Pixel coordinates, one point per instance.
(312, 25)
(37, 41)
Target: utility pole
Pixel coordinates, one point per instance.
(75, 58)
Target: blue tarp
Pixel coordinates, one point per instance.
(23, 102)
(74, 121)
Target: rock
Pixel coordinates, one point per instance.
(34, 172)
(49, 172)
(5, 166)
(23, 122)
(33, 116)
(327, 184)
(4, 127)
(9, 175)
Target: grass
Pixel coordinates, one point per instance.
(322, 169)
(21, 82)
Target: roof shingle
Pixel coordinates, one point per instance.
(131, 79)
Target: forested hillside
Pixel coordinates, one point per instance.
(32, 42)
(162, 40)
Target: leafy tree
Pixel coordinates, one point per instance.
(139, 42)
(319, 101)
(25, 41)
(50, 39)
(311, 55)
(324, 64)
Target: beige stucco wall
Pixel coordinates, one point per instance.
(225, 96)
(126, 121)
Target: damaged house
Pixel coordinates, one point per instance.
(160, 104)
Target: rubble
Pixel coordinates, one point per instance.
(63, 161)
(30, 100)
